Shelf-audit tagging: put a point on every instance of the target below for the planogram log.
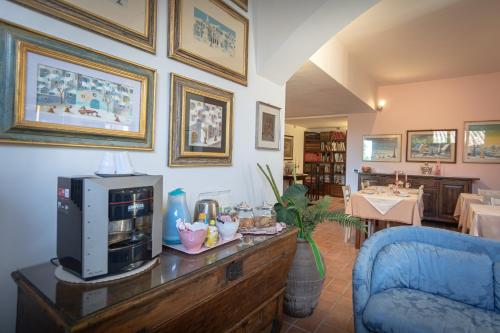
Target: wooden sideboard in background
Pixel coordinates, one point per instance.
(440, 193)
(238, 287)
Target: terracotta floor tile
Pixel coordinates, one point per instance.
(326, 328)
(295, 329)
(312, 322)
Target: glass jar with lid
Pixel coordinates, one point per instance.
(245, 215)
(265, 216)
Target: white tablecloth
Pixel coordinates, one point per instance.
(406, 210)
(484, 221)
(462, 208)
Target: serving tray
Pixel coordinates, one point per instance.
(180, 247)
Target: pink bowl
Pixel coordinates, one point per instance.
(192, 240)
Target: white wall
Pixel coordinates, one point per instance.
(288, 32)
(28, 173)
(298, 144)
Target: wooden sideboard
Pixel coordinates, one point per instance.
(440, 193)
(238, 287)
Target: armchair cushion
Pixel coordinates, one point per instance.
(414, 311)
(462, 276)
(496, 273)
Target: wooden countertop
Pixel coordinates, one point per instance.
(425, 176)
(75, 302)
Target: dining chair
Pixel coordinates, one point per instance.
(493, 193)
(346, 192)
(495, 201)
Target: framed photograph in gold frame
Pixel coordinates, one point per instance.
(129, 21)
(201, 124)
(210, 35)
(60, 93)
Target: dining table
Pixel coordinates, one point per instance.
(462, 209)
(380, 203)
(483, 221)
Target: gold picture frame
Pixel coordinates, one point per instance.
(201, 122)
(93, 20)
(59, 93)
(227, 56)
(243, 4)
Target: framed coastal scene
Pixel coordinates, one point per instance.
(200, 124)
(129, 21)
(382, 148)
(75, 97)
(210, 35)
(482, 142)
(431, 146)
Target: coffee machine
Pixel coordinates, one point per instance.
(108, 225)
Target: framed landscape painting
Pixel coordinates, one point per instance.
(482, 142)
(129, 21)
(288, 147)
(267, 134)
(75, 97)
(210, 35)
(382, 148)
(201, 119)
(431, 146)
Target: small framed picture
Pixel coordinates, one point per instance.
(432, 146)
(482, 142)
(382, 148)
(200, 124)
(267, 135)
(288, 148)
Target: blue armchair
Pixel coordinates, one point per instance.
(419, 279)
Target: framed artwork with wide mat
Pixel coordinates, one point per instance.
(201, 124)
(268, 127)
(432, 146)
(59, 93)
(482, 142)
(382, 148)
(128, 21)
(210, 35)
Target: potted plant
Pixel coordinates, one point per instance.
(307, 273)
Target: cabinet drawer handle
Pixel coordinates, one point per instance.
(234, 270)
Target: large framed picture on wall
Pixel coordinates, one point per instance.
(210, 35)
(201, 124)
(58, 93)
(432, 146)
(382, 148)
(482, 142)
(129, 21)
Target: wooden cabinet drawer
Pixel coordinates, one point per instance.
(188, 306)
(266, 318)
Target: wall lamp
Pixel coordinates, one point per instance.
(380, 105)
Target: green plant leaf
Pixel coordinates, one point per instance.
(317, 255)
(296, 193)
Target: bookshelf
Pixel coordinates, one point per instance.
(325, 156)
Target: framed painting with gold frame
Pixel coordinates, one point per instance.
(201, 118)
(60, 93)
(288, 148)
(482, 142)
(223, 52)
(243, 4)
(267, 126)
(129, 21)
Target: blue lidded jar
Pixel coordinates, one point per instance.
(176, 209)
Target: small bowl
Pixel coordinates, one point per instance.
(228, 230)
(192, 240)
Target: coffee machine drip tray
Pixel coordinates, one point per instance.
(68, 277)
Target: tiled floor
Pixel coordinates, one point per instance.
(334, 311)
